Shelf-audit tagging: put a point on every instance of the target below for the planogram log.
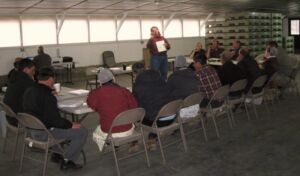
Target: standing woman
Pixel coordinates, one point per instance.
(158, 47)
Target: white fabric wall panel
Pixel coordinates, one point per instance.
(91, 54)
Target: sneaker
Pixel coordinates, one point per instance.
(66, 165)
(56, 158)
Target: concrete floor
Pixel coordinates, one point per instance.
(268, 146)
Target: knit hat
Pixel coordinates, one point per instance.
(105, 76)
(180, 61)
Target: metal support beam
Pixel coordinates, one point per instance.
(169, 21)
(206, 19)
(62, 20)
(121, 22)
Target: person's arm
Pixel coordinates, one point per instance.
(52, 116)
(167, 44)
(192, 54)
(149, 43)
(92, 101)
(132, 103)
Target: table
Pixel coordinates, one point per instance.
(116, 71)
(65, 65)
(172, 61)
(78, 113)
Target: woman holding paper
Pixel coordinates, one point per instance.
(158, 47)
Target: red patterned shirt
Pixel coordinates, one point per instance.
(209, 81)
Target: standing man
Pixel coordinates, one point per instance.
(42, 59)
(158, 47)
(40, 102)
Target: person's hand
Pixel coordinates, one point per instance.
(54, 93)
(76, 125)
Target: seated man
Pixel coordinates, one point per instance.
(229, 72)
(270, 66)
(236, 47)
(40, 102)
(209, 81)
(183, 82)
(108, 101)
(12, 71)
(151, 93)
(20, 80)
(214, 51)
(249, 67)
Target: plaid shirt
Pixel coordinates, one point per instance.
(209, 81)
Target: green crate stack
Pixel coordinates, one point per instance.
(254, 30)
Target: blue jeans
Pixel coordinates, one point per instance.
(160, 63)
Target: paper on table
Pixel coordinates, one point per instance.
(79, 92)
(70, 103)
(161, 46)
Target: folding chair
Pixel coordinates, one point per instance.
(220, 95)
(91, 78)
(271, 88)
(194, 99)
(257, 92)
(170, 108)
(130, 116)
(233, 101)
(30, 122)
(17, 131)
(109, 59)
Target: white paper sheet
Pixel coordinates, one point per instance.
(70, 103)
(161, 46)
(79, 92)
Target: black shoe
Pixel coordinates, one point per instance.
(56, 158)
(65, 165)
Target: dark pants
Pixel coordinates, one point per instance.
(77, 138)
(214, 103)
(160, 63)
(159, 124)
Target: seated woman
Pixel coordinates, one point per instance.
(108, 101)
(151, 93)
(198, 51)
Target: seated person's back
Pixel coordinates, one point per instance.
(40, 102)
(20, 81)
(109, 100)
(249, 67)
(183, 83)
(151, 93)
(229, 72)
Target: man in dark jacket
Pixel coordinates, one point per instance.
(41, 60)
(151, 93)
(249, 67)
(229, 72)
(19, 82)
(40, 102)
(183, 82)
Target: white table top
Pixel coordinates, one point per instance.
(68, 94)
(115, 70)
